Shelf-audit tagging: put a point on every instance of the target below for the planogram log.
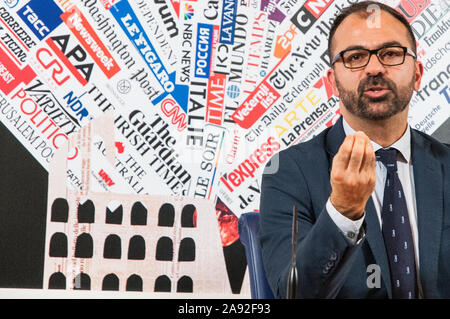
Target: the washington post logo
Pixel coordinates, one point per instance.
(304, 18)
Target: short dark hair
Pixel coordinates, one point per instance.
(361, 7)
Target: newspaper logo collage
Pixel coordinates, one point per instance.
(201, 93)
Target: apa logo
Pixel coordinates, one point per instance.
(41, 16)
(74, 58)
(105, 177)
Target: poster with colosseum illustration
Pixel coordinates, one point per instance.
(134, 133)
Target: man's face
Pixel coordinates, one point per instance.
(359, 89)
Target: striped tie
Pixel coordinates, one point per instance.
(397, 230)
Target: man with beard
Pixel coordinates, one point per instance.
(373, 194)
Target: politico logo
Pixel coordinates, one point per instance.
(307, 15)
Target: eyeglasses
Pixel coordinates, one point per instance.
(359, 58)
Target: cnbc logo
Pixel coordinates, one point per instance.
(189, 11)
(307, 15)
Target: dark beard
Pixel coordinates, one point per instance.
(359, 104)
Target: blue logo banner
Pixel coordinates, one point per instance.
(203, 54)
(41, 16)
(128, 21)
(228, 22)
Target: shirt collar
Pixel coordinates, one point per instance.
(403, 144)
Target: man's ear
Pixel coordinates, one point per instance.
(418, 73)
(332, 80)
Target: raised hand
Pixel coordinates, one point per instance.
(353, 175)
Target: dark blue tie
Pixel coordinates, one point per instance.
(397, 230)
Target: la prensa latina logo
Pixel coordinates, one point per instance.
(189, 11)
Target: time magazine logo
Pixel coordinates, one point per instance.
(309, 13)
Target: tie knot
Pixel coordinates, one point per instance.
(388, 157)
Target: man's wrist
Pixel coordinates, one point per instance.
(350, 228)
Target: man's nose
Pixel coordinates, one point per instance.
(374, 66)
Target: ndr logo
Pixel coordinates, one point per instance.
(309, 13)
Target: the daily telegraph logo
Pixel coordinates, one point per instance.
(309, 13)
(41, 16)
(86, 35)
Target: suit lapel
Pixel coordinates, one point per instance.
(428, 185)
(335, 138)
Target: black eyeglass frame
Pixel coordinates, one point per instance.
(374, 51)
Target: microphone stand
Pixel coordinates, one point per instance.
(292, 280)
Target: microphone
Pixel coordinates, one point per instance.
(292, 280)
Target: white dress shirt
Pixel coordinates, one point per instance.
(350, 228)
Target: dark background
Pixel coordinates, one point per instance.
(23, 206)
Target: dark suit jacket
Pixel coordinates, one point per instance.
(328, 265)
